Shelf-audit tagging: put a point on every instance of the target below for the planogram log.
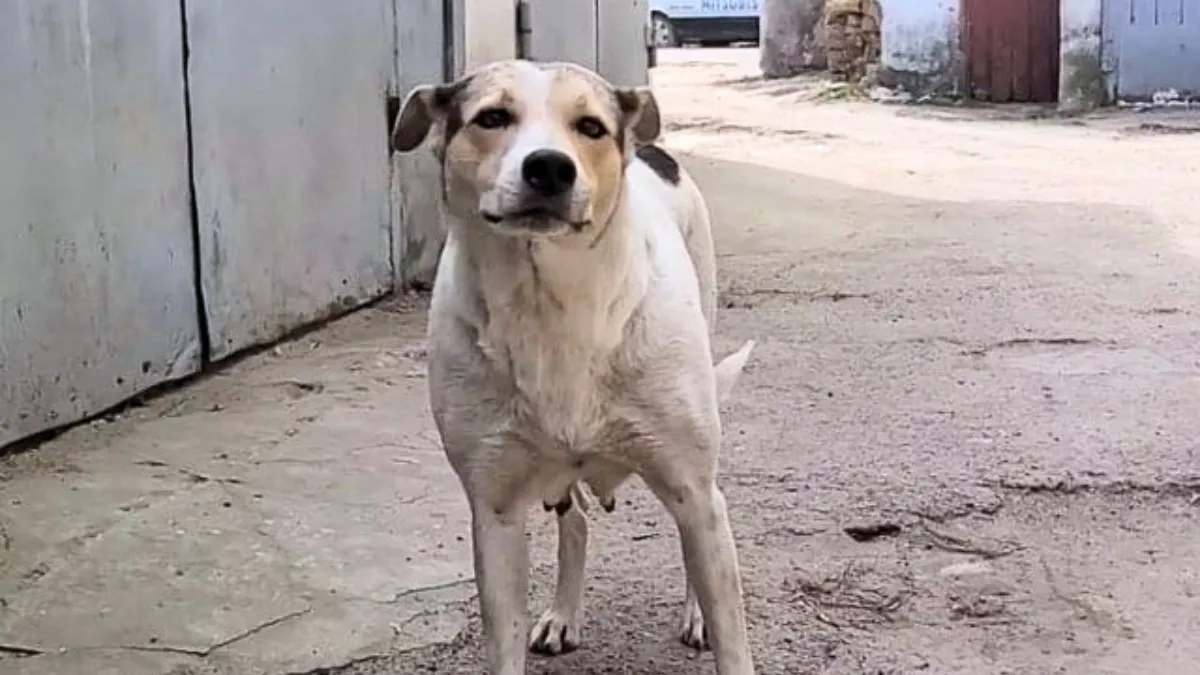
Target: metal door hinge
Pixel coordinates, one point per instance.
(524, 29)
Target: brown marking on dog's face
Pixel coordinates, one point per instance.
(532, 148)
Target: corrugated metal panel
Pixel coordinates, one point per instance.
(420, 59)
(1158, 46)
(622, 41)
(96, 292)
(291, 161)
(608, 36)
(488, 31)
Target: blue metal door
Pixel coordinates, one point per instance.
(1157, 44)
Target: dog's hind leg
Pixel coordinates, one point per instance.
(558, 630)
(710, 557)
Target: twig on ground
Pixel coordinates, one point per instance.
(954, 543)
(838, 603)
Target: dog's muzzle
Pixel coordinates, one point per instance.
(544, 203)
(548, 173)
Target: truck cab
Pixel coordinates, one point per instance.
(706, 22)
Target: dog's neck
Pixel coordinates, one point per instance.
(554, 315)
(583, 285)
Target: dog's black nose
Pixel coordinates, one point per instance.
(549, 172)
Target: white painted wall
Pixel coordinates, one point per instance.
(1079, 15)
(920, 36)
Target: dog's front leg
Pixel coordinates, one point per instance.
(710, 557)
(557, 632)
(691, 627)
(502, 577)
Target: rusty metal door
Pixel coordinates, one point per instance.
(1012, 50)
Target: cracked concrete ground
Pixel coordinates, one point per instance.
(965, 444)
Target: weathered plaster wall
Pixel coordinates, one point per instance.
(1083, 82)
(921, 46)
(788, 30)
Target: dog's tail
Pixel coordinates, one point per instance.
(730, 369)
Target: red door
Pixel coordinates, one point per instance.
(1012, 50)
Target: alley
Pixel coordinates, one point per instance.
(966, 442)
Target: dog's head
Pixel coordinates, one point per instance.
(531, 148)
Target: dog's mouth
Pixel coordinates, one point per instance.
(537, 219)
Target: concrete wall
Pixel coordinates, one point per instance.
(921, 46)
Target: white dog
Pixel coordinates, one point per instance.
(569, 329)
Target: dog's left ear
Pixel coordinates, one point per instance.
(640, 111)
(422, 108)
(415, 119)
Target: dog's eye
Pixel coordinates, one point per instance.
(591, 127)
(493, 118)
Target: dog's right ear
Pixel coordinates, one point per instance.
(422, 108)
(640, 110)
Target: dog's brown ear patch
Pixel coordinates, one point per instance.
(639, 109)
(660, 162)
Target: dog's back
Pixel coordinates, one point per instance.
(676, 188)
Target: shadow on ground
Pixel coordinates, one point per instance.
(992, 397)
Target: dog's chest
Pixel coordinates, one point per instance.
(560, 366)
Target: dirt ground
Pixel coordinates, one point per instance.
(966, 443)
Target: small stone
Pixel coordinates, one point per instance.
(966, 569)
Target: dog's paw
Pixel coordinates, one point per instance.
(692, 631)
(554, 634)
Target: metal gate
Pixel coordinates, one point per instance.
(608, 36)
(1157, 46)
(97, 300)
(1012, 50)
